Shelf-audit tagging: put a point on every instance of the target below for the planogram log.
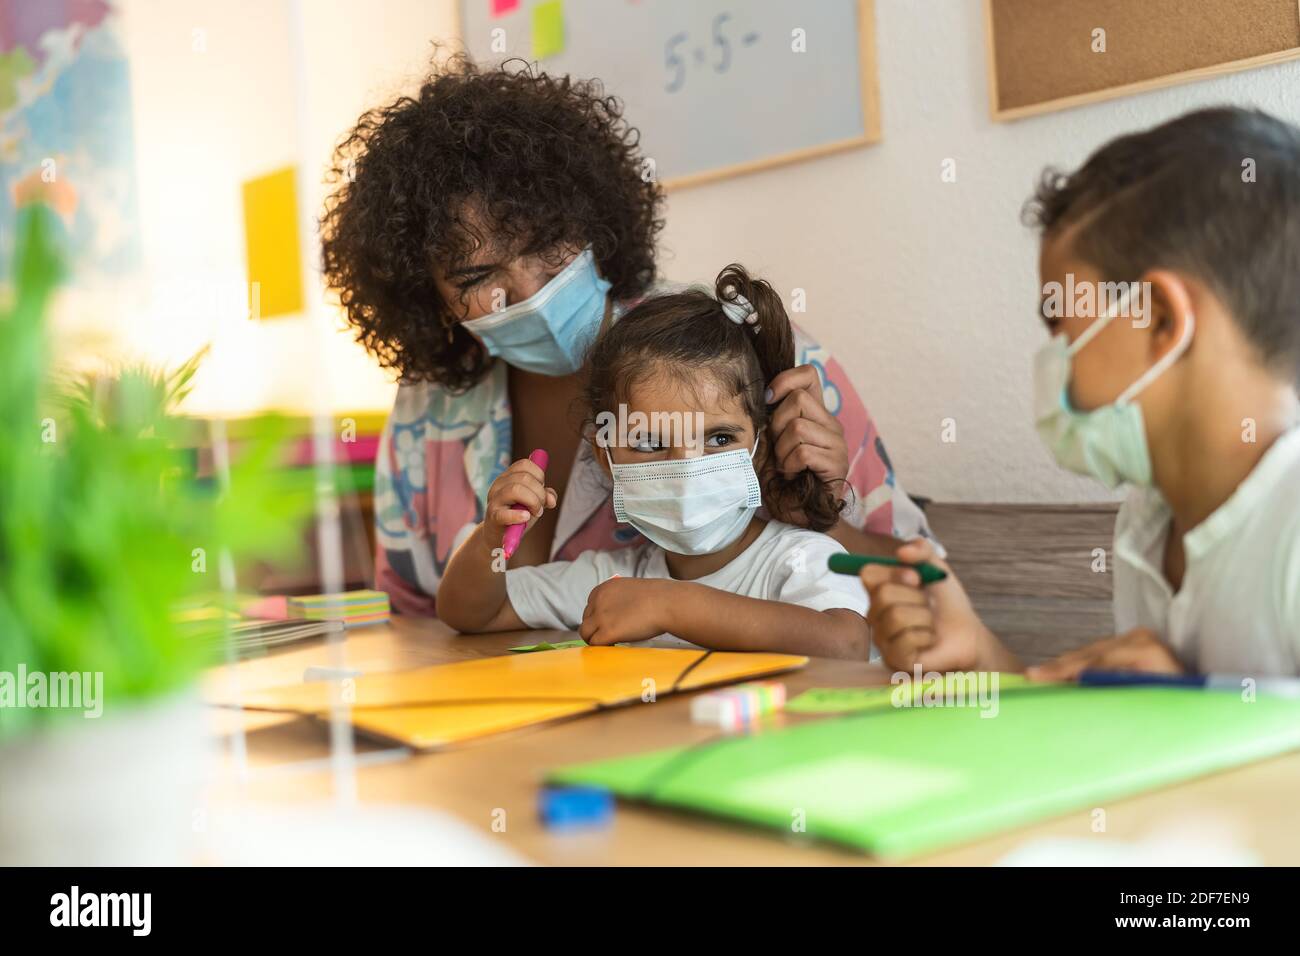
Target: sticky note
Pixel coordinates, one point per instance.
(500, 8)
(970, 686)
(547, 646)
(838, 700)
(548, 29)
(272, 244)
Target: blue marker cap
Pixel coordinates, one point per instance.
(565, 807)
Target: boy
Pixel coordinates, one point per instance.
(1183, 389)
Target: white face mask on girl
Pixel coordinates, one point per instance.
(691, 506)
(1108, 443)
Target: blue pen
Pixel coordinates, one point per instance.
(1271, 686)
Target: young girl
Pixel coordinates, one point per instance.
(687, 372)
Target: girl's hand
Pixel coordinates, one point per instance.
(934, 626)
(518, 496)
(1137, 650)
(804, 435)
(626, 609)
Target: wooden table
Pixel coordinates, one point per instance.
(288, 755)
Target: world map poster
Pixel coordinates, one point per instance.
(66, 133)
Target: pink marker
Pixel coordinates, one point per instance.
(515, 533)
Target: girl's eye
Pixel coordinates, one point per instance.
(718, 441)
(647, 447)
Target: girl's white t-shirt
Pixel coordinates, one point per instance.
(785, 563)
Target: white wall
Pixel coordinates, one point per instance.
(927, 291)
(216, 101)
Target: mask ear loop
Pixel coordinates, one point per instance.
(1092, 331)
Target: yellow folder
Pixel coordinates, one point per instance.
(435, 706)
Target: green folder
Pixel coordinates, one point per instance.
(899, 782)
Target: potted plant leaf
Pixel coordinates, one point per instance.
(104, 532)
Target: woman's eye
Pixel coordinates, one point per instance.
(472, 279)
(647, 447)
(718, 441)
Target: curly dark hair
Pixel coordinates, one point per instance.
(546, 162)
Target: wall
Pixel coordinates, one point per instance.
(216, 102)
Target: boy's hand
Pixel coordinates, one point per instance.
(934, 627)
(626, 609)
(1138, 650)
(517, 496)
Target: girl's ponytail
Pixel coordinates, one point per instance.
(773, 339)
(756, 306)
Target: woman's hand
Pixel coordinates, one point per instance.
(626, 609)
(804, 435)
(518, 496)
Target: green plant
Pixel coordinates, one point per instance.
(104, 531)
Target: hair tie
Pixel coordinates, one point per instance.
(738, 309)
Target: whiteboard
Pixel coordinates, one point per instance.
(716, 87)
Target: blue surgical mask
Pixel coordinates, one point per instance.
(549, 332)
(689, 506)
(1108, 443)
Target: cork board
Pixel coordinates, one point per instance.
(1043, 56)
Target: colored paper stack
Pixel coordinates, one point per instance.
(353, 608)
(211, 624)
(737, 707)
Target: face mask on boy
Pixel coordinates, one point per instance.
(548, 332)
(689, 506)
(1108, 443)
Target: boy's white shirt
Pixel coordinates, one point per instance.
(1238, 610)
(785, 563)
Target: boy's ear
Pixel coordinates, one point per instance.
(1167, 308)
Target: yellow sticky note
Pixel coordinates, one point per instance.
(548, 29)
(271, 239)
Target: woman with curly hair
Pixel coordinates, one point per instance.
(482, 233)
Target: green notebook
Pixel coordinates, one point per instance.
(899, 782)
